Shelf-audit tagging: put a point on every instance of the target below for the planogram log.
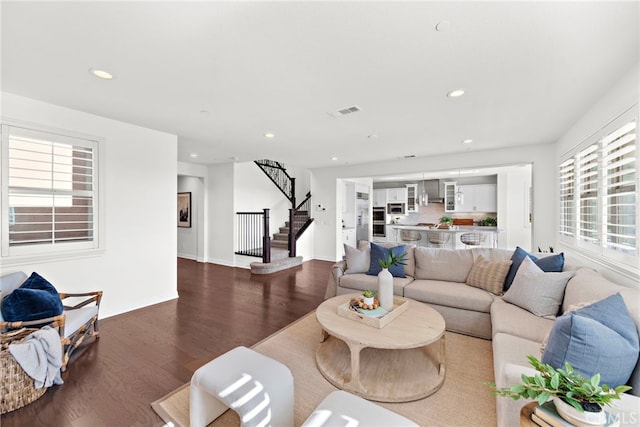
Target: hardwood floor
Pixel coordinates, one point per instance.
(144, 354)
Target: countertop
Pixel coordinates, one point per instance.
(456, 229)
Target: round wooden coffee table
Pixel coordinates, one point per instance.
(401, 362)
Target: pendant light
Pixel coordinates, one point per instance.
(459, 196)
(424, 198)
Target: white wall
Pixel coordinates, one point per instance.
(221, 214)
(138, 266)
(513, 209)
(190, 240)
(324, 186)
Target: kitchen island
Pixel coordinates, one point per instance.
(441, 237)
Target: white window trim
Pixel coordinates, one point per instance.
(35, 254)
(625, 264)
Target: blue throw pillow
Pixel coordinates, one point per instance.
(380, 252)
(600, 338)
(35, 299)
(548, 264)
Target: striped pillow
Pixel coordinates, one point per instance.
(488, 275)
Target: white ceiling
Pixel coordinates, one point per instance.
(530, 69)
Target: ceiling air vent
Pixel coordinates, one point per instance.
(345, 111)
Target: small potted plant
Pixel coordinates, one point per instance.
(577, 399)
(368, 297)
(445, 222)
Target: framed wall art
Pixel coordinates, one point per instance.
(184, 210)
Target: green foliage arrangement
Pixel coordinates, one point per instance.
(446, 220)
(391, 259)
(489, 222)
(368, 293)
(565, 384)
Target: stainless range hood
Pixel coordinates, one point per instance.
(435, 190)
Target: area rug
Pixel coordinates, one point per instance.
(462, 400)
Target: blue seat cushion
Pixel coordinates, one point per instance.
(35, 299)
(548, 264)
(380, 252)
(600, 338)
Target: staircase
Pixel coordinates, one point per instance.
(283, 245)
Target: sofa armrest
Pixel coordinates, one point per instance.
(337, 271)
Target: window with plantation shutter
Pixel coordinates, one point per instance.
(619, 177)
(567, 189)
(587, 177)
(49, 184)
(598, 194)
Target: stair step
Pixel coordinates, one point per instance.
(279, 253)
(275, 266)
(284, 230)
(279, 244)
(280, 236)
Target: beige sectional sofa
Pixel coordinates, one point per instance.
(438, 277)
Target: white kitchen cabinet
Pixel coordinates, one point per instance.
(397, 195)
(412, 198)
(478, 198)
(449, 196)
(380, 198)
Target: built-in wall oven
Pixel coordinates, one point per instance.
(379, 222)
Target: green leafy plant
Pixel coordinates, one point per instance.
(565, 384)
(368, 293)
(392, 259)
(489, 222)
(446, 220)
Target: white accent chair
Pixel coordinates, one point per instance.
(342, 409)
(258, 388)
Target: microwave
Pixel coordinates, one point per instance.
(395, 208)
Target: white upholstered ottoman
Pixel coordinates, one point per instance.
(258, 388)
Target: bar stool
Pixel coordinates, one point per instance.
(472, 239)
(438, 238)
(410, 235)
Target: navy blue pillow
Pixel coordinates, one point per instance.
(35, 299)
(600, 338)
(380, 252)
(548, 264)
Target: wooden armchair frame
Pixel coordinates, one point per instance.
(73, 341)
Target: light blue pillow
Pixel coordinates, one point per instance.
(548, 264)
(600, 338)
(380, 252)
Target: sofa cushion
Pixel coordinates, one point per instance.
(599, 338)
(510, 319)
(488, 275)
(492, 254)
(357, 260)
(536, 291)
(379, 253)
(360, 282)
(35, 299)
(410, 264)
(449, 294)
(443, 264)
(549, 264)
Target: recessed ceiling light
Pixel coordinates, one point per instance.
(269, 135)
(443, 26)
(101, 73)
(467, 141)
(193, 155)
(372, 136)
(334, 158)
(455, 93)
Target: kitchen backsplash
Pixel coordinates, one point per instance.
(432, 214)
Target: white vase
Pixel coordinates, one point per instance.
(385, 289)
(573, 416)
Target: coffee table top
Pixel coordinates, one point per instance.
(418, 326)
